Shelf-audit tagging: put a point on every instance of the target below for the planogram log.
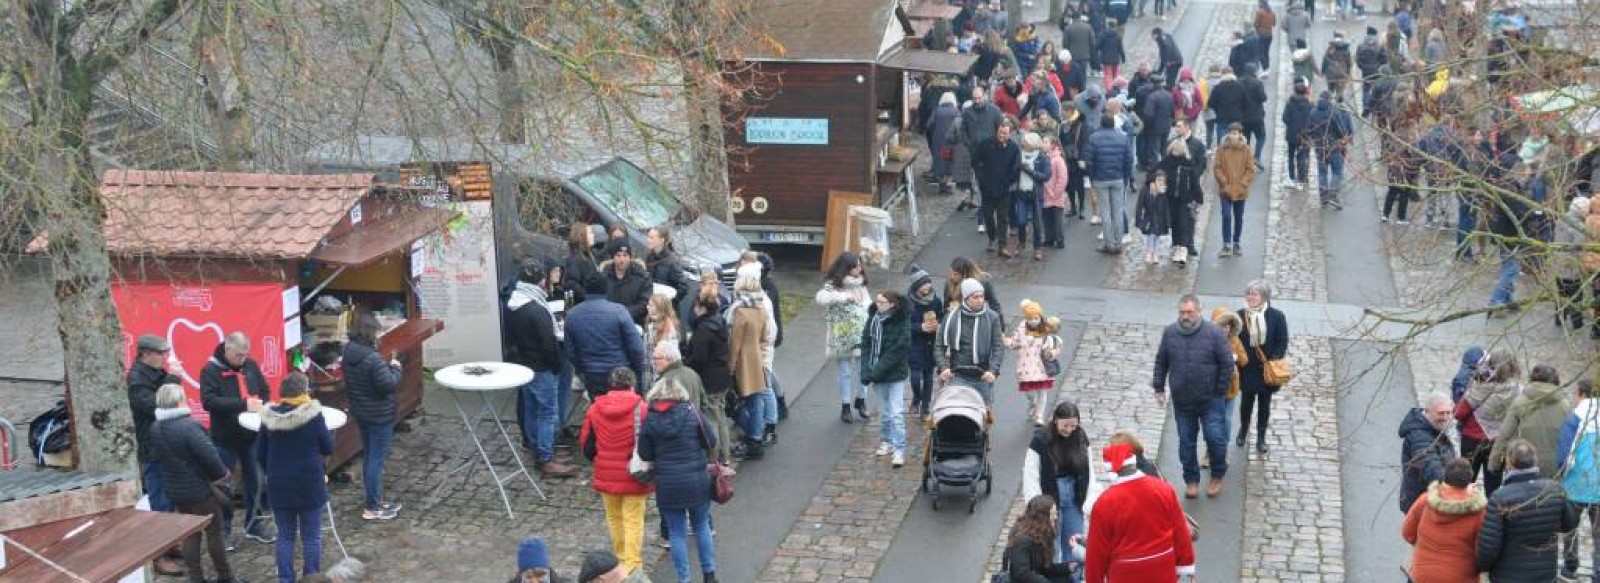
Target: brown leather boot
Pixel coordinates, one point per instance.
(1213, 488)
(554, 469)
(1191, 491)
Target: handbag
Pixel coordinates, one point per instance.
(642, 471)
(1275, 372)
(1052, 366)
(721, 475)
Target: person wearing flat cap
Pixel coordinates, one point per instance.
(969, 346)
(533, 563)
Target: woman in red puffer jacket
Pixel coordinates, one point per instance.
(608, 433)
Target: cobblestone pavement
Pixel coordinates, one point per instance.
(1131, 272)
(1296, 262)
(853, 518)
(1109, 379)
(457, 532)
(1293, 523)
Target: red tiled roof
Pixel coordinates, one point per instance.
(260, 216)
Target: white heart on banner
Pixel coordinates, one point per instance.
(193, 327)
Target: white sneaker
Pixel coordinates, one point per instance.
(899, 459)
(883, 449)
(1100, 237)
(1289, 183)
(980, 228)
(1127, 239)
(1094, 220)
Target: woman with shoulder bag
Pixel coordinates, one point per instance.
(608, 438)
(1266, 339)
(675, 439)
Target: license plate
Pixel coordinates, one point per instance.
(786, 237)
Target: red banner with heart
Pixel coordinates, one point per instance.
(194, 319)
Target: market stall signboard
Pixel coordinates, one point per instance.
(786, 130)
(454, 269)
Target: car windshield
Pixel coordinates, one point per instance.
(634, 196)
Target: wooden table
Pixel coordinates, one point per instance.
(100, 548)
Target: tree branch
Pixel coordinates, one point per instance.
(98, 63)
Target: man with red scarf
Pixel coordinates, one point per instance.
(1138, 533)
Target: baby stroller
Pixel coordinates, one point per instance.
(958, 445)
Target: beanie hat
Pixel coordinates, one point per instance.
(532, 555)
(1064, 56)
(919, 278)
(1031, 309)
(595, 564)
(970, 286)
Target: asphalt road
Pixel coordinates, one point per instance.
(1377, 396)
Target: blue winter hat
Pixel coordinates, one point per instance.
(532, 555)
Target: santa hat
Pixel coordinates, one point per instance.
(1118, 456)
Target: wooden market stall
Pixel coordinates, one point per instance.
(830, 100)
(284, 258)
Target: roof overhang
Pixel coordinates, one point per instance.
(371, 242)
(928, 61)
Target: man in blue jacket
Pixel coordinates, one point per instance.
(600, 336)
(1108, 158)
(1194, 358)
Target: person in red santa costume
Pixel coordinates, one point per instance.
(1138, 533)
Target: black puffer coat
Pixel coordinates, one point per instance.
(189, 463)
(370, 382)
(632, 290)
(1423, 453)
(708, 353)
(1517, 542)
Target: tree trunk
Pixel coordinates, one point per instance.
(513, 100)
(1014, 16)
(224, 93)
(91, 336)
(708, 154)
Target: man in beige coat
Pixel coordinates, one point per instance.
(1235, 170)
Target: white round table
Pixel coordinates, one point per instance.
(333, 418)
(483, 379)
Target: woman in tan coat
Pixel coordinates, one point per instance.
(750, 338)
(1235, 169)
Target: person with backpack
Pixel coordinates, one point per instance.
(1330, 129)
(1369, 57)
(1336, 64)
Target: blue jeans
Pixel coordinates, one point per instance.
(307, 523)
(540, 408)
(1466, 223)
(1330, 173)
(678, 521)
(758, 408)
(770, 412)
(1212, 419)
(564, 393)
(156, 488)
(849, 386)
(1071, 518)
(242, 456)
(1227, 424)
(1510, 268)
(1232, 220)
(892, 406)
(376, 438)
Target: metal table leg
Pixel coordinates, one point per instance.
(488, 409)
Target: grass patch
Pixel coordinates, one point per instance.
(792, 304)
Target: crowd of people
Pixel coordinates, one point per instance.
(1532, 442)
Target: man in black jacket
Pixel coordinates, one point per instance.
(1518, 540)
(1424, 447)
(1255, 109)
(1195, 359)
(1296, 115)
(996, 164)
(1227, 100)
(627, 281)
(1171, 56)
(145, 377)
(532, 332)
(231, 383)
(190, 465)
